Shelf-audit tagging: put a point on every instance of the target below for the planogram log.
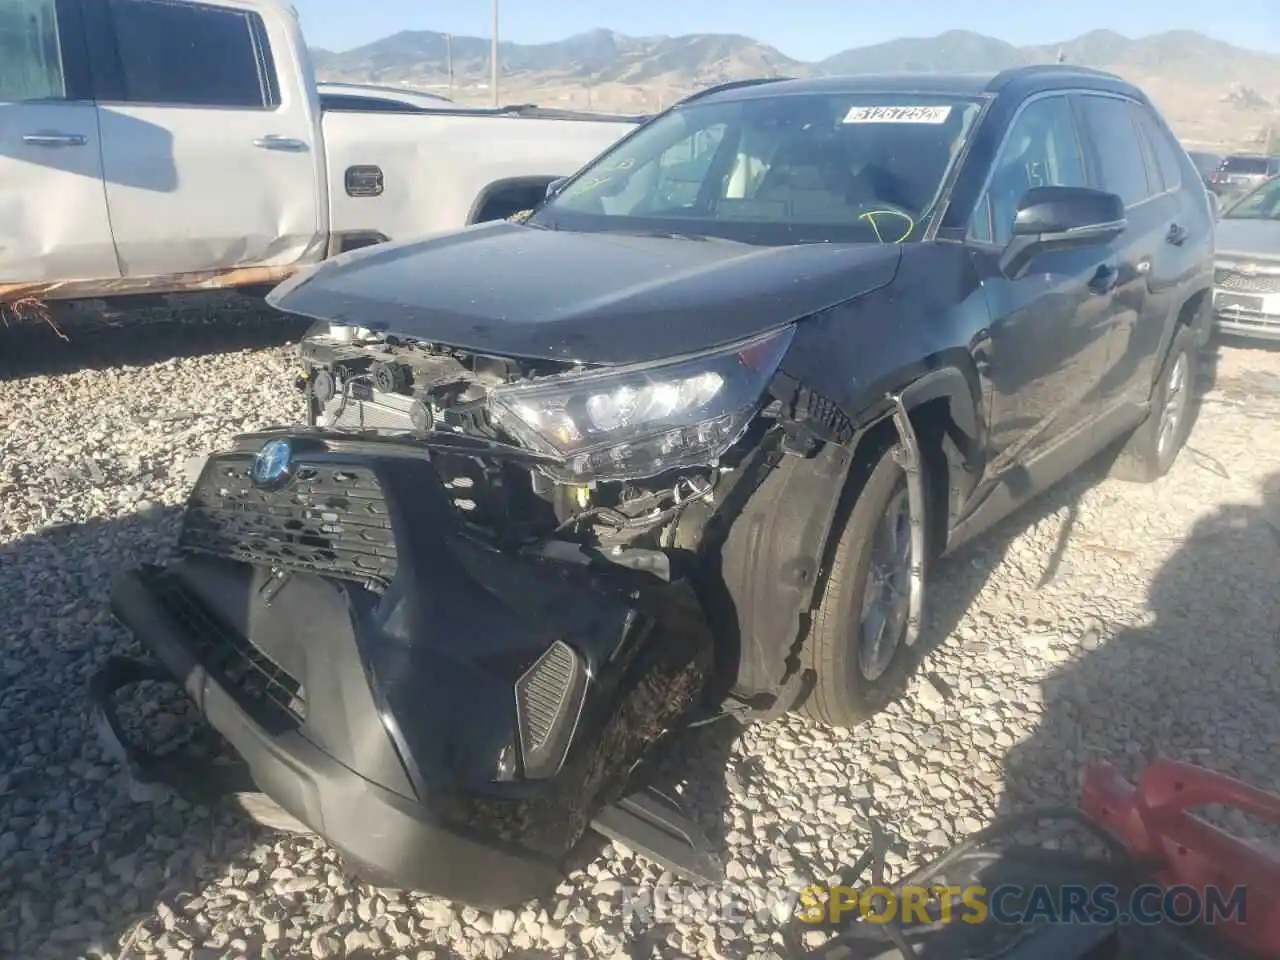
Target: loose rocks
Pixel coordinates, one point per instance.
(1107, 621)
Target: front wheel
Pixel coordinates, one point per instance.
(857, 647)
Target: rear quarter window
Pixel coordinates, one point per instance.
(1162, 151)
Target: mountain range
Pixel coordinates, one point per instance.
(1212, 92)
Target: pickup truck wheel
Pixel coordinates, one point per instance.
(1150, 451)
(856, 647)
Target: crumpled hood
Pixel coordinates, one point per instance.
(1248, 238)
(513, 290)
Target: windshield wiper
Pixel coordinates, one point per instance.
(669, 235)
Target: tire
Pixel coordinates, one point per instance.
(845, 693)
(1145, 457)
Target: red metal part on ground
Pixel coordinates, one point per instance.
(1151, 819)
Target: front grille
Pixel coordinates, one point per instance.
(1249, 318)
(330, 519)
(258, 682)
(1226, 279)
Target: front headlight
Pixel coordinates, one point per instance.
(640, 421)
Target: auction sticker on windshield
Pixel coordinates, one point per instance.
(897, 115)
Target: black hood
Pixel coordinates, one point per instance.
(508, 289)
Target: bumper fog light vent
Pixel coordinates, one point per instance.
(549, 697)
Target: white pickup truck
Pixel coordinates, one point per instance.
(160, 146)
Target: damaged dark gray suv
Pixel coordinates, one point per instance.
(683, 439)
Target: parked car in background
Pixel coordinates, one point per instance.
(1246, 283)
(700, 424)
(1240, 173)
(157, 146)
(374, 97)
(1206, 163)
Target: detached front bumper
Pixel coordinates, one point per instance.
(449, 716)
(372, 826)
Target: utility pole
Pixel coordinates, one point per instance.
(448, 52)
(493, 57)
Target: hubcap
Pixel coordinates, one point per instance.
(886, 600)
(1175, 403)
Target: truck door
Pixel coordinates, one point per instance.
(53, 215)
(211, 152)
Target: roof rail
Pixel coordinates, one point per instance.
(1061, 69)
(731, 85)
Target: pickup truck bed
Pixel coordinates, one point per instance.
(441, 169)
(196, 154)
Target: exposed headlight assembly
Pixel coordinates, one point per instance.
(637, 421)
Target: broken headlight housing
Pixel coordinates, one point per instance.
(638, 421)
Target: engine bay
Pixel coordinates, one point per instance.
(357, 382)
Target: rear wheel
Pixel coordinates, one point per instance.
(1150, 451)
(856, 646)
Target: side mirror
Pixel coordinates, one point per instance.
(1061, 218)
(554, 187)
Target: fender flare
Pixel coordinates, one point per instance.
(951, 383)
(507, 183)
(775, 551)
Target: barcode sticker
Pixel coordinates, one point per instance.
(897, 115)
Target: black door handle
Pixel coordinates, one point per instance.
(1104, 280)
(1177, 234)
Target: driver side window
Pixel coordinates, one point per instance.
(1042, 150)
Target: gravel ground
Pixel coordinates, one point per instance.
(1108, 621)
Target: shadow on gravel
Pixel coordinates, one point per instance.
(1199, 684)
(84, 854)
(957, 580)
(99, 336)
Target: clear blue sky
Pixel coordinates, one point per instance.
(804, 29)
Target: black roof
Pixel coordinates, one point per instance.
(1029, 78)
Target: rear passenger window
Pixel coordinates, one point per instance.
(30, 58)
(1160, 150)
(1115, 138)
(189, 54)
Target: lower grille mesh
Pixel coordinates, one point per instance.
(542, 695)
(259, 682)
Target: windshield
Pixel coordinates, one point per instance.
(860, 168)
(1244, 165)
(1262, 204)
